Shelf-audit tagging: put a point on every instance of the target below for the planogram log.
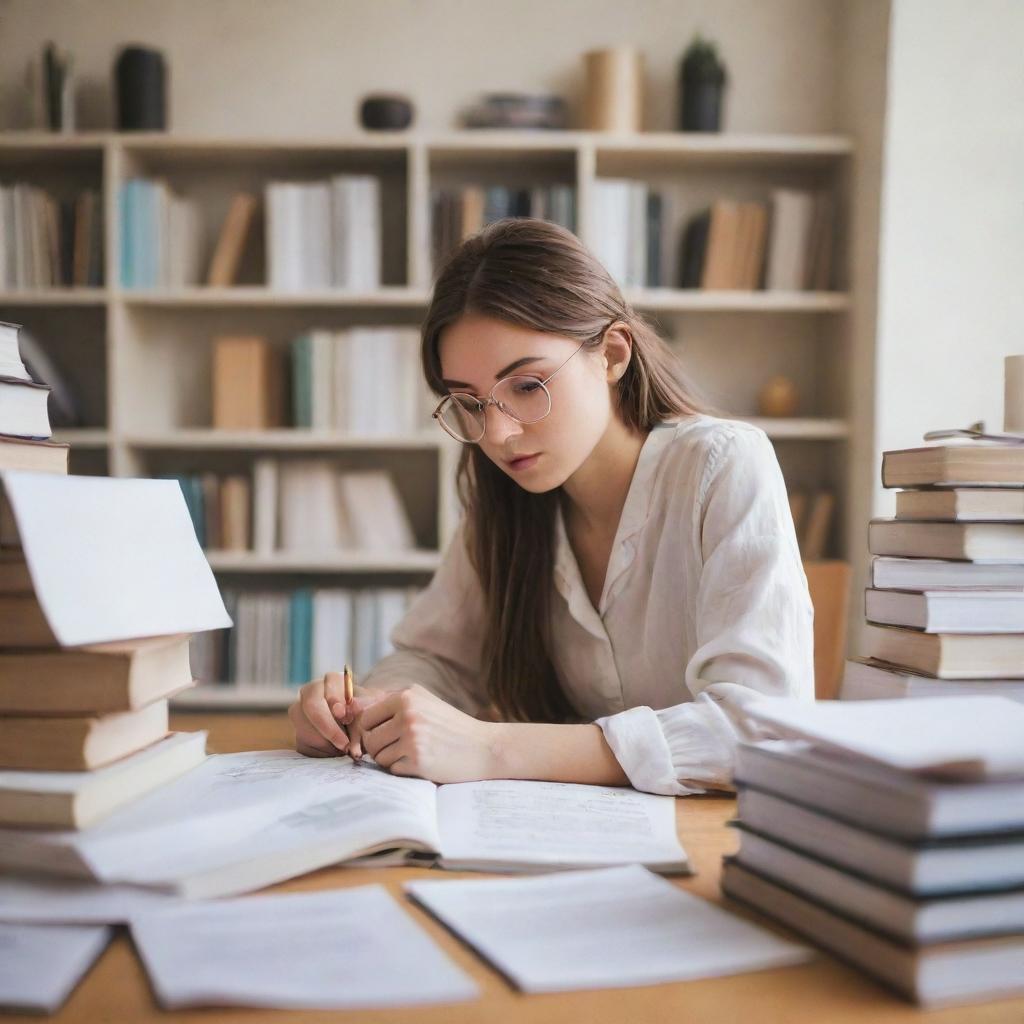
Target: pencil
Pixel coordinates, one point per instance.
(349, 685)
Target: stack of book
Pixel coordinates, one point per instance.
(945, 604)
(101, 584)
(24, 420)
(891, 833)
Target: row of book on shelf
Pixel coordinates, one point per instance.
(457, 213)
(362, 380)
(48, 241)
(328, 234)
(285, 638)
(783, 244)
(317, 235)
(813, 511)
(298, 505)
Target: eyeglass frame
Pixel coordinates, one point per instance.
(491, 400)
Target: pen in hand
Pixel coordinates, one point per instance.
(350, 695)
(349, 686)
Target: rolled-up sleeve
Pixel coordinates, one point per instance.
(754, 627)
(438, 641)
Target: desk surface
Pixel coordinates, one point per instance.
(822, 991)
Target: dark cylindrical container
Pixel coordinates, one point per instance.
(141, 90)
(702, 82)
(385, 112)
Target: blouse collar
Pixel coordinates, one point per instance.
(635, 512)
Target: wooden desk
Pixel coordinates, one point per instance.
(822, 992)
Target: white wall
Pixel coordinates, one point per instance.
(300, 66)
(862, 115)
(951, 272)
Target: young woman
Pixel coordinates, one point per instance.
(625, 576)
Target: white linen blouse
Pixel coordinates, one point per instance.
(705, 607)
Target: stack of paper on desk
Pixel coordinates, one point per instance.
(325, 950)
(244, 821)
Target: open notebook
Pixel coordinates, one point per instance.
(338, 811)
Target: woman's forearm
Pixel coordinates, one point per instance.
(554, 753)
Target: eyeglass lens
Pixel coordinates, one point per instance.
(523, 398)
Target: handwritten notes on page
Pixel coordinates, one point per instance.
(514, 825)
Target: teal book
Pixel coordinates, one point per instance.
(300, 637)
(302, 380)
(126, 212)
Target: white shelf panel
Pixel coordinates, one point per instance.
(234, 696)
(19, 140)
(726, 144)
(664, 299)
(54, 297)
(328, 561)
(697, 300)
(186, 298)
(286, 439)
(806, 429)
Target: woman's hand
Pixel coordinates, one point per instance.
(414, 732)
(319, 714)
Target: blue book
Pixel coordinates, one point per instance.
(300, 637)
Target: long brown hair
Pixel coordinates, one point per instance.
(535, 274)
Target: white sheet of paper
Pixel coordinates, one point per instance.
(968, 737)
(68, 901)
(113, 558)
(353, 948)
(361, 806)
(224, 799)
(41, 964)
(547, 824)
(605, 928)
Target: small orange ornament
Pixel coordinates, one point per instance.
(778, 397)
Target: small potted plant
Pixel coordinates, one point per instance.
(702, 81)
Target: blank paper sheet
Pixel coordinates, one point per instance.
(606, 928)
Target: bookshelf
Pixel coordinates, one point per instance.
(140, 359)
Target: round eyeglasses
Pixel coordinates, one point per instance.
(523, 399)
